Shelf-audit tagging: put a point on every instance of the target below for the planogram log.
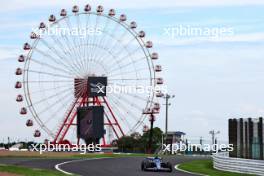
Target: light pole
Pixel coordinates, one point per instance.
(214, 133)
(167, 104)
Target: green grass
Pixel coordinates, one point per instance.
(206, 167)
(28, 171)
(76, 156)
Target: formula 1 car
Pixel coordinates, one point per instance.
(155, 164)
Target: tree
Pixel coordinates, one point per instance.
(138, 143)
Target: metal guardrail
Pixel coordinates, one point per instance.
(223, 162)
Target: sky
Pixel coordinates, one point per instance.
(213, 78)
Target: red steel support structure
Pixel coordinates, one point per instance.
(71, 116)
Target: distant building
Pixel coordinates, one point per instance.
(247, 137)
(174, 137)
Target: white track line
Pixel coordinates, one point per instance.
(57, 166)
(193, 173)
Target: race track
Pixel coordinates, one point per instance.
(129, 166)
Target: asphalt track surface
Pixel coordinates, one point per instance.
(129, 166)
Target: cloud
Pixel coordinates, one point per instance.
(194, 40)
(12, 5)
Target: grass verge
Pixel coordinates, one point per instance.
(206, 167)
(28, 171)
(65, 155)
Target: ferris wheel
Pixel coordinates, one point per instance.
(65, 51)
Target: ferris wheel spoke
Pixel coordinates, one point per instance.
(126, 109)
(78, 52)
(126, 65)
(70, 48)
(49, 89)
(58, 62)
(128, 79)
(92, 51)
(122, 115)
(63, 59)
(53, 104)
(132, 104)
(68, 54)
(82, 50)
(112, 46)
(63, 105)
(102, 39)
(86, 40)
(52, 96)
(47, 81)
(130, 54)
(47, 73)
(128, 72)
(51, 66)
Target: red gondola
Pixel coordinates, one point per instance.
(19, 98)
(42, 25)
(33, 35)
(158, 68)
(87, 8)
(23, 111)
(75, 9)
(18, 85)
(141, 34)
(21, 58)
(156, 106)
(52, 18)
(149, 44)
(19, 71)
(29, 123)
(123, 17)
(133, 25)
(112, 12)
(63, 13)
(159, 94)
(100, 9)
(159, 81)
(37, 133)
(154, 56)
(26, 46)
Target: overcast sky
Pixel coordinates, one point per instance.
(212, 78)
